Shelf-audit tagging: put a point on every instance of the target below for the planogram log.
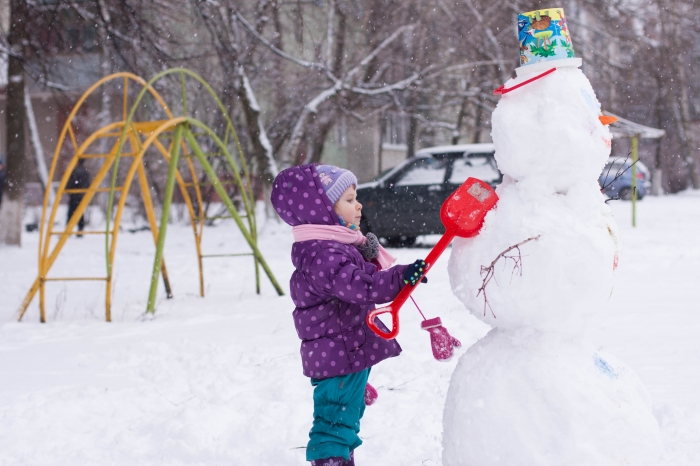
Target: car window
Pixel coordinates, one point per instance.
(424, 171)
(481, 166)
(381, 175)
(614, 168)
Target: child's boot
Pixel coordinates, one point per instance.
(334, 461)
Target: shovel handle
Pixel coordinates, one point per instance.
(395, 306)
(394, 321)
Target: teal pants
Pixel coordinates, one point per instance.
(339, 403)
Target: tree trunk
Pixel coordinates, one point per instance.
(460, 119)
(41, 168)
(320, 136)
(477, 124)
(265, 168)
(411, 139)
(13, 202)
(105, 115)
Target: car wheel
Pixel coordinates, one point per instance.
(625, 193)
(400, 241)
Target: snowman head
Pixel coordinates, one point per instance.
(549, 132)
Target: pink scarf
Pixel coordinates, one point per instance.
(342, 235)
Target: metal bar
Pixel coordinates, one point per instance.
(102, 156)
(224, 182)
(45, 257)
(229, 205)
(28, 299)
(229, 255)
(165, 215)
(635, 158)
(75, 279)
(209, 154)
(72, 137)
(216, 217)
(184, 94)
(111, 135)
(150, 214)
(129, 178)
(190, 208)
(42, 301)
(126, 97)
(96, 190)
(254, 230)
(82, 233)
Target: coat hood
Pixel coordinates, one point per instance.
(299, 198)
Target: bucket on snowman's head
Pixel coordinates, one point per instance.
(544, 36)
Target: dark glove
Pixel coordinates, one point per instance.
(414, 272)
(369, 250)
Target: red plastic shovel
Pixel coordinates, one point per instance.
(462, 214)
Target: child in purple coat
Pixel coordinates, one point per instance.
(340, 275)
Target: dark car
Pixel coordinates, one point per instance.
(405, 201)
(616, 179)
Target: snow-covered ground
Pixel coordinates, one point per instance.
(217, 380)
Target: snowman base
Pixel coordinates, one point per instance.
(522, 397)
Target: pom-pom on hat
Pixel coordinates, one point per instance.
(335, 180)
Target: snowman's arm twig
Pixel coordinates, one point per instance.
(487, 273)
(620, 171)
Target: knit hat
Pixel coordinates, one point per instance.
(335, 180)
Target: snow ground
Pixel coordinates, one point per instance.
(217, 381)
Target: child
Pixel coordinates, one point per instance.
(340, 275)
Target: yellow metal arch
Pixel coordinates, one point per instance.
(141, 136)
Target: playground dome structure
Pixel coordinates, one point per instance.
(179, 140)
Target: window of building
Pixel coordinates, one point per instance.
(396, 129)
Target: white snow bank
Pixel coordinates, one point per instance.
(79, 391)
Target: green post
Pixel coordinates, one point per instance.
(216, 183)
(164, 217)
(254, 231)
(635, 157)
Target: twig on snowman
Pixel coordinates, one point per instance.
(487, 273)
(620, 171)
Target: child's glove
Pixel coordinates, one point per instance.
(369, 250)
(371, 395)
(414, 272)
(441, 341)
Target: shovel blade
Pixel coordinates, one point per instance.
(464, 211)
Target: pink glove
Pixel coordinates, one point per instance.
(442, 342)
(371, 395)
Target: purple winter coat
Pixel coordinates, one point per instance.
(333, 287)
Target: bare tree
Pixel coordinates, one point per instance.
(11, 208)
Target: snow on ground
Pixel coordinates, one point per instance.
(217, 380)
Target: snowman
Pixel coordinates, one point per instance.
(534, 391)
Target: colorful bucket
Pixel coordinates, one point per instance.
(544, 36)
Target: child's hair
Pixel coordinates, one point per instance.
(335, 181)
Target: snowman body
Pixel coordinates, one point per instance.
(533, 391)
